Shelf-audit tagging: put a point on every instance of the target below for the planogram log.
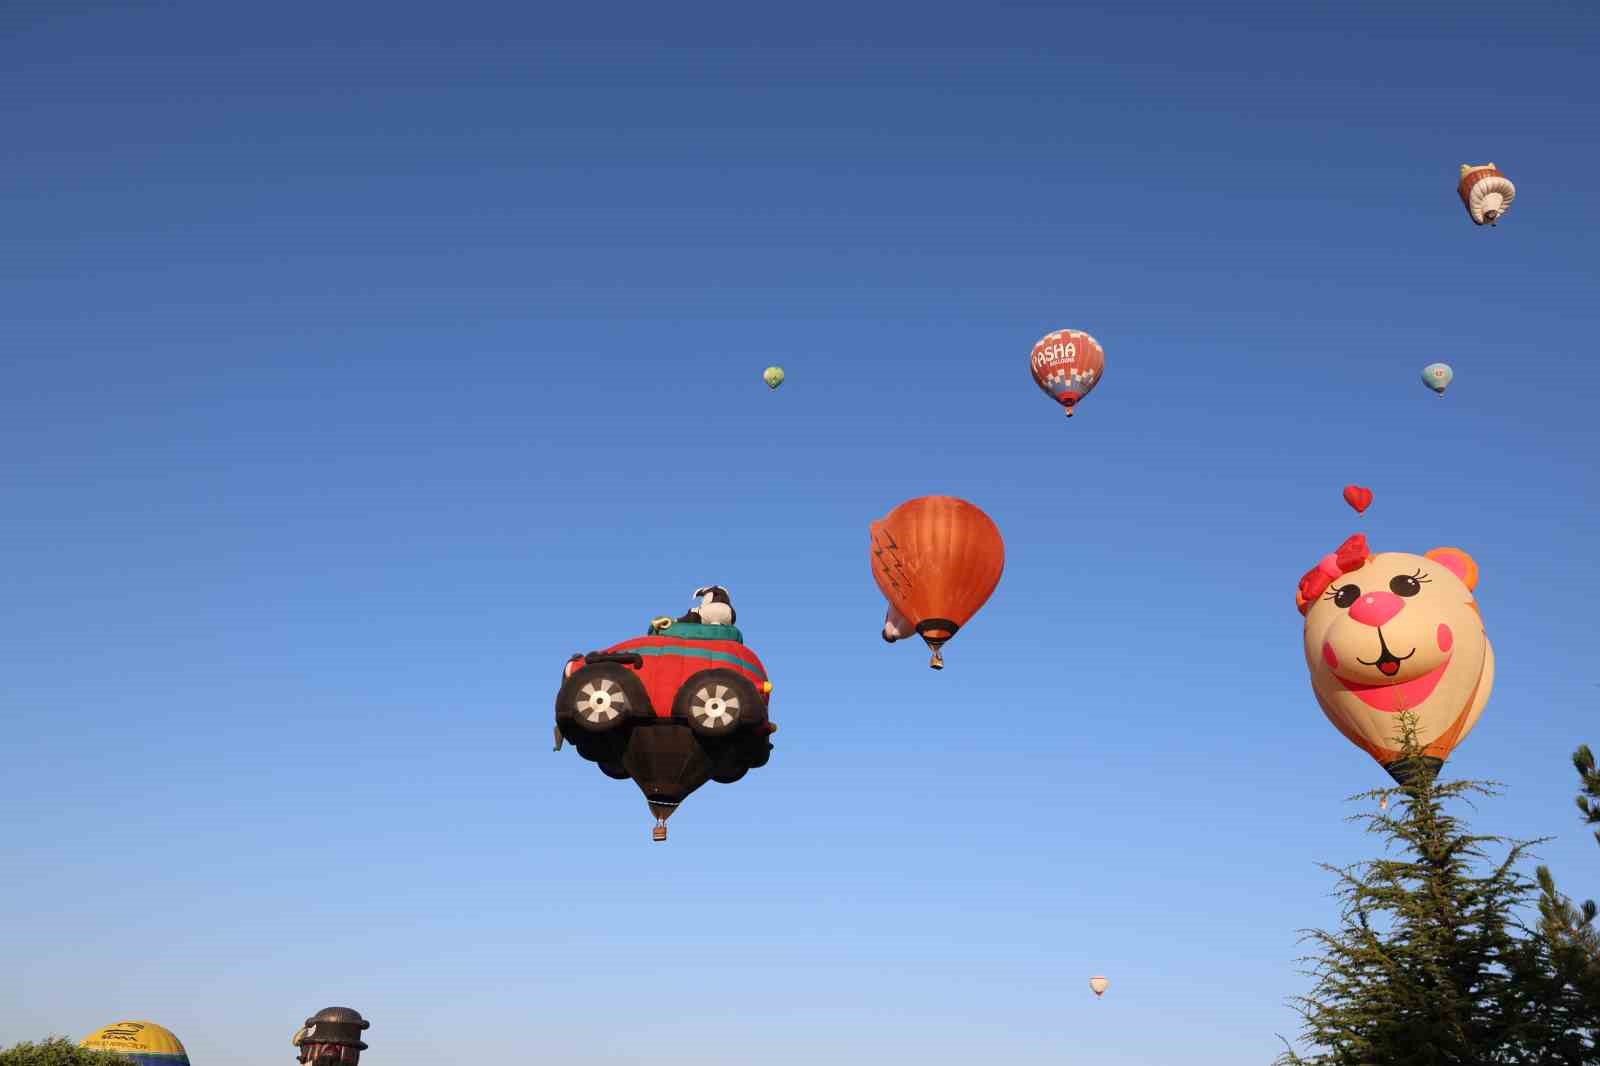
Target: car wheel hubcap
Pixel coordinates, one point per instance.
(601, 701)
(715, 706)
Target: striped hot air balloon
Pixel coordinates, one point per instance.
(145, 1043)
(937, 560)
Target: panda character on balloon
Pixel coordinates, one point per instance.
(713, 607)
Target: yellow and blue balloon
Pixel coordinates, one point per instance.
(144, 1043)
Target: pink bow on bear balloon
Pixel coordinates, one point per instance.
(1352, 555)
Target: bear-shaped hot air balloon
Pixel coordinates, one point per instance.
(1485, 192)
(1397, 632)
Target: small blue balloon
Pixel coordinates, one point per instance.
(1437, 376)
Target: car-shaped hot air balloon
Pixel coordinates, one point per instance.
(671, 710)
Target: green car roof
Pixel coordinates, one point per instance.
(697, 631)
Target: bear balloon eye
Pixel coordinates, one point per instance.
(1408, 584)
(1347, 595)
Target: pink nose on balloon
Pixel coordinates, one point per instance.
(1376, 608)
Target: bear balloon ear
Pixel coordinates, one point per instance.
(1458, 563)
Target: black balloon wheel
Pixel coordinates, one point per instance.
(614, 769)
(714, 702)
(607, 747)
(601, 697)
(729, 771)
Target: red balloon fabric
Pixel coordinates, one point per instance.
(1067, 364)
(1358, 497)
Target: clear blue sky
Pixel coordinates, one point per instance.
(338, 344)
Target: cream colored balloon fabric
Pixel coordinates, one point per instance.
(1490, 198)
(1401, 633)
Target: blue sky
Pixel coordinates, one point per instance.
(361, 362)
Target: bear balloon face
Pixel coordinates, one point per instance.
(1399, 632)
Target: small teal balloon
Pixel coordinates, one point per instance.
(773, 376)
(1437, 376)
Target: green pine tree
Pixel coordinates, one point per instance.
(1420, 971)
(1589, 778)
(1558, 975)
(58, 1051)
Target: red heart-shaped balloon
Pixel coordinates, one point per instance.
(1358, 497)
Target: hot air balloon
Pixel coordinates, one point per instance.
(332, 1035)
(1067, 365)
(680, 706)
(1437, 376)
(1358, 497)
(773, 376)
(1393, 633)
(1485, 192)
(937, 560)
(1099, 985)
(145, 1043)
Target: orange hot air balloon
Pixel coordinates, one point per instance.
(937, 560)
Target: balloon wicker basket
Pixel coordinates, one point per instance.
(1406, 771)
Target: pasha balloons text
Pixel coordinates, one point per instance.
(1391, 633)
